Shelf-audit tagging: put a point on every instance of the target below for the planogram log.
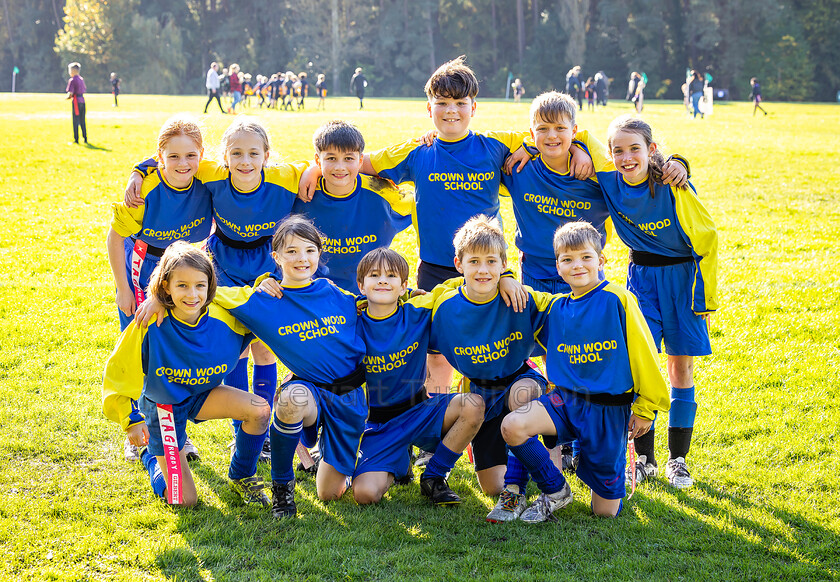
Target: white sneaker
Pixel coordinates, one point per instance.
(423, 458)
(509, 507)
(191, 450)
(644, 471)
(677, 473)
(546, 504)
(130, 452)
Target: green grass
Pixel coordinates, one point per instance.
(764, 454)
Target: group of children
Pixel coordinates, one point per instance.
(314, 282)
(286, 91)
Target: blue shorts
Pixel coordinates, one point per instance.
(602, 432)
(149, 264)
(340, 422)
(665, 299)
(240, 267)
(386, 445)
(183, 411)
(489, 448)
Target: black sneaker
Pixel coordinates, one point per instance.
(437, 489)
(251, 489)
(283, 499)
(570, 461)
(405, 479)
(265, 453)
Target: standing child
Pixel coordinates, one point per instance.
(755, 95)
(76, 92)
(602, 361)
(673, 271)
(321, 89)
(115, 87)
(159, 377)
(355, 213)
(589, 91)
(518, 90)
(304, 89)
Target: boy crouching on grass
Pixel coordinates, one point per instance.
(603, 364)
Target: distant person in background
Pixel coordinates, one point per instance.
(213, 86)
(755, 95)
(357, 85)
(589, 91)
(573, 85)
(518, 90)
(695, 92)
(636, 90)
(304, 89)
(235, 87)
(115, 87)
(321, 89)
(602, 88)
(76, 91)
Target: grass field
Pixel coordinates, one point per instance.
(764, 457)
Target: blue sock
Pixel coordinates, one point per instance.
(575, 448)
(156, 478)
(533, 454)
(265, 383)
(516, 473)
(683, 408)
(441, 462)
(284, 440)
(238, 378)
(244, 461)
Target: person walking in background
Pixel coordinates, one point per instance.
(321, 90)
(518, 90)
(235, 87)
(115, 87)
(589, 91)
(636, 90)
(357, 85)
(695, 92)
(602, 88)
(212, 83)
(755, 95)
(76, 91)
(573, 85)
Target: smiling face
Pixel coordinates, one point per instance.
(631, 155)
(245, 157)
(383, 286)
(340, 169)
(580, 268)
(482, 269)
(553, 140)
(188, 289)
(451, 116)
(298, 260)
(180, 157)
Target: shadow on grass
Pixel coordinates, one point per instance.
(91, 146)
(700, 533)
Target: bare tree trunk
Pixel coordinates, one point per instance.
(574, 13)
(535, 6)
(430, 31)
(494, 34)
(520, 31)
(336, 48)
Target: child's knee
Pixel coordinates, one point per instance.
(514, 429)
(366, 495)
(472, 408)
(262, 414)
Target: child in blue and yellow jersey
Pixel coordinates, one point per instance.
(312, 330)
(602, 362)
(489, 344)
(396, 338)
(355, 213)
(321, 91)
(249, 200)
(176, 206)
(673, 271)
(181, 363)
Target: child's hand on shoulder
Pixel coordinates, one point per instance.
(428, 138)
(309, 183)
(581, 166)
(675, 174)
(271, 287)
(138, 434)
(638, 426)
(132, 197)
(513, 293)
(518, 158)
(147, 310)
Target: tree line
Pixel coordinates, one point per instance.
(165, 46)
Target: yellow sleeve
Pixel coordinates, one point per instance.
(210, 171)
(700, 229)
(123, 377)
(129, 221)
(429, 300)
(222, 314)
(286, 175)
(393, 156)
(597, 151)
(648, 382)
(512, 139)
(232, 297)
(401, 202)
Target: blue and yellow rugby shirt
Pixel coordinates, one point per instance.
(599, 343)
(170, 363)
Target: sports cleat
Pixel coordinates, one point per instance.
(252, 490)
(190, 450)
(130, 452)
(283, 502)
(677, 473)
(423, 458)
(508, 508)
(570, 461)
(644, 471)
(405, 479)
(546, 504)
(265, 453)
(437, 489)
